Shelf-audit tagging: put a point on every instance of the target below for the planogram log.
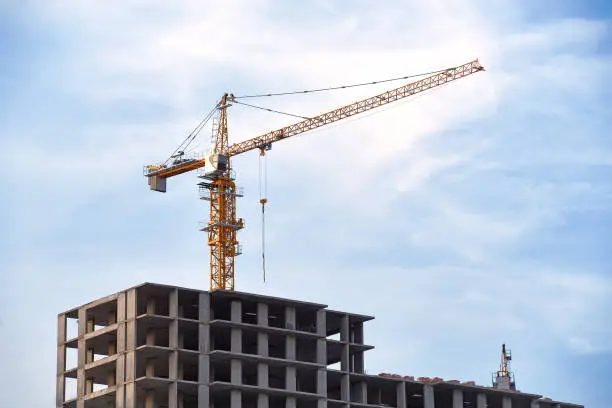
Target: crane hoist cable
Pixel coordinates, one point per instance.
(263, 194)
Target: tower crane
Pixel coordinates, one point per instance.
(215, 169)
(504, 378)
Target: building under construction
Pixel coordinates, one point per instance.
(156, 346)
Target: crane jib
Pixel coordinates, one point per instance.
(355, 108)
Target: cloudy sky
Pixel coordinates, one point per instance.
(472, 215)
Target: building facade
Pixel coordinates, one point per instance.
(158, 346)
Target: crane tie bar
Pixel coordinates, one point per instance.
(332, 88)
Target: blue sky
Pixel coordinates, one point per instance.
(470, 216)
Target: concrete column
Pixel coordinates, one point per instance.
(236, 311)
(357, 333)
(290, 343)
(150, 399)
(322, 351)
(236, 340)
(262, 344)
(401, 395)
(290, 348)
(60, 386)
(204, 348)
(236, 372)
(534, 404)
(89, 383)
(262, 375)
(111, 350)
(204, 312)
(358, 363)
(121, 331)
(506, 402)
(290, 318)
(236, 347)
(362, 392)
(457, 399)
(81, 357)
(262, 314)
(322, 382)
(262, 350)
(344, 337)
(345, 358)
(290, 378)
(150, 337)
(481, 401)
(345, 388)
(110, 378)
(181, 340)
(112, 317)
(91, 325)
(263, 401)
(151, 305)
(150, 367)
(344, 329)
(89, 356)
(290, 402)
(130, 356)
(322, 342)
(173, 359)
(236, 399)
(321, 323)
(428, 396)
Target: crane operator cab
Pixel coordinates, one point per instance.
(216, 164)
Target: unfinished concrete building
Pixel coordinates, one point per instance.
(157, 346)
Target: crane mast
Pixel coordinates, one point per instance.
(220, 191)
(218, 185)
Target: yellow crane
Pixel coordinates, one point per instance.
(215, 168)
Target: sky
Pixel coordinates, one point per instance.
(466, 217)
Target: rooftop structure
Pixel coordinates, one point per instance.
(159, 346)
